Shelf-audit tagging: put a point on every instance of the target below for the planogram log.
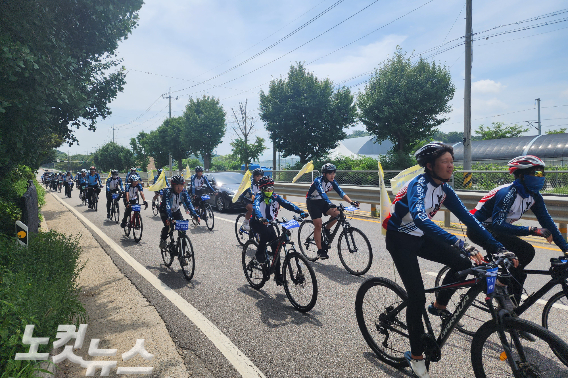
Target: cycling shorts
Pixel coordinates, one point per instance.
(317, 208)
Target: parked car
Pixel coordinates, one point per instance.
(226, 185)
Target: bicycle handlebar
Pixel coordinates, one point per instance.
(481, 270)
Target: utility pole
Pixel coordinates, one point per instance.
(467, 91)
(169, 97)
(112, 133)
(539, 125)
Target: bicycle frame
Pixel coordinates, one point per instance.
(283, 240)
(341, 222)
(557, 278)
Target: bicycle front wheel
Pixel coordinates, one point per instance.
(381, 314)
(306, 240)
(167, 255)
(240, 232)
(155, 207)
(137, 227)
(116, 210)
(209, 217)
(355, 251)
(554, 318)
(255, 272)
(186, 257)
(525, 359)
(300, 282)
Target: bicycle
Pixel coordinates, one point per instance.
(156, 204)
(554, 307)
(134, 223)
(115, 207)
(496, 346)
(181, 248)
(94, 199)
(297, 273)
(83, 194)
(243, 235)
(353, 246)
(59, 185)
(68, 189)
(205, 212)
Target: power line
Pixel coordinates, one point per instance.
(454, 23)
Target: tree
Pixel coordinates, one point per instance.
(561, 130)
(155, 146)
(113, 156)
(357, 134)
(304, 115)
(58, 71)
(141, 157)
(242, 148)
(172, 131)
(403, 101)
(499, 130)
(203, 127)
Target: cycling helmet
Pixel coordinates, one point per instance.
(257, 172)
(68, 173)
(133, 169)
(114, 172)
(328, 168)
(178, 180)
(199, 169)
(159, 171)
(525, 162)
(92, 168)
(265, 181)
(431, 151)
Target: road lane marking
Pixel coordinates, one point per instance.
(237, 358)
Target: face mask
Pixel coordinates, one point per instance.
(533, 184)
(267, 197)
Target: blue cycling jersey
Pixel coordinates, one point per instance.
(114, 183)
(93, 180)
(270, 211)
(199, 183)
(172, 202)
(320, 187)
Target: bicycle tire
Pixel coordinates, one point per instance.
(354, 259)
(186, 254)
(306, 240)
(476, 315)
(155, 207)
(534, 358)
(167, 256)
(242, 235)
(116, 212)
(388, 296)
(556, 305)
(297, 273)
(95, 201)
(138, 227)
(210, 217)
(255, 272)
(127, 226)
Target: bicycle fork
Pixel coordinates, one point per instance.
(503, 337)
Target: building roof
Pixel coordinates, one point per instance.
(361, 146)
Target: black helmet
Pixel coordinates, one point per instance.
(177, 180)
(92, 168)
(133, 169)
(199, 169)
(265, 181)
(114, 172)
(160, 171)
(431, 151)
(257, 172)
(328, 168)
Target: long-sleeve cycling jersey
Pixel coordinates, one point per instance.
(506, 204)
(418, 202)
(69, 179)
(165, 177)
(171, 202)
(198, 183)
(82, 180)
(270, 211)
(320, 187)
(251, 191)
(93, 180)
(114, 183)
(133, 191)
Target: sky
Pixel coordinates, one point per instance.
(232, 49)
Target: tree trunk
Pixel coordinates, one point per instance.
(206, 160)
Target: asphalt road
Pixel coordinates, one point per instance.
(280, 341)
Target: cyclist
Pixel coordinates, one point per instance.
(113, 185)
(132, 172)
(68, 182)
(170, 208)
(265, 208)
(198, 183)
(411, 233)
(156, 194)
(82, 183)
(506, 204)
(249, 195)
(318, 204)
(133, 189)
(94, 185)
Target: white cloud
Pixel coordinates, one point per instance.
(486, 86)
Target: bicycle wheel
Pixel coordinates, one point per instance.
(532, 358)
(116, 215)
(300, 282)
(155, 207)
(137, 227)
(209, 217)
(306, 240)
(240, 232)
(355, 252)
(553, 318)
(95, 201)
(255, 272)
(128, 226)
(381, 321)
(166, 255)
(476, 315)
(186, 257)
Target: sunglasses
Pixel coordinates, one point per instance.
(539, 173)
(268, 189)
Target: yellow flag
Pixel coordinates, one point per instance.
(244, 185)
(305, 169)
(160, 183)
(109, 174)
(385, 200)
(187, 174)
(403, 177)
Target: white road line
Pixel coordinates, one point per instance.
(226, 220)
(237, 358)
(539, 301)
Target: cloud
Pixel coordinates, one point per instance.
(486, 86)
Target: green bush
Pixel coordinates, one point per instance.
(37, 286)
